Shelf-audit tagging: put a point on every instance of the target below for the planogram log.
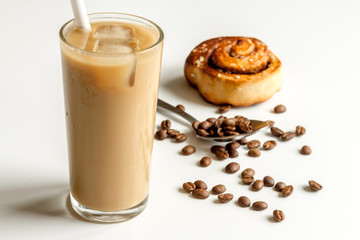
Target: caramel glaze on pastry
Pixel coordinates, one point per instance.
(239, 71)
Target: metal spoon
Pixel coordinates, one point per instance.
(256, 124)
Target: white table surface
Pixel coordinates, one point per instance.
(318, 44)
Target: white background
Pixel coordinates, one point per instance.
(318, 44)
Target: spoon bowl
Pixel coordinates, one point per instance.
(256, 124)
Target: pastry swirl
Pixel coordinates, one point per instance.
(239, 71)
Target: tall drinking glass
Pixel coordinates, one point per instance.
(111, 78)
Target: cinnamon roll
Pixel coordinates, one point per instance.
(240, 71)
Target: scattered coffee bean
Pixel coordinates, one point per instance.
(195, 125)
(205, 162)
(257, 185)
(287, 191)
(161, 135)
(254, 153)
(188, 150)
(181, 107)
(166, 124)
(244, 201)
(218, 189)
(232, 145)
(181, 137)
(224, 108)
(215, 148)
(253, 144)
(248, 172)
(269, 145)
(200, 184)
(248, 180)
(300, 130)
(279, 186)
(225, 198)
(243, 141)
(259, 205)
(287, 136)
(276, 131)
(189, 186)
(200, 193)
(232, 167)
(279, 109)
(172, 132)
(314, 186)
(222, 154)
(278, 215)
(268, 181)
(233, 153)
(305, 150)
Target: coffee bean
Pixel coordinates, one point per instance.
(279, 109)
(276, 131)
(232, 145)
(259, 205)
(315, 186)
(181, 137)
(211, 120)
(222, 154)
(200, 193)
(189, 186)
(268, 181)
(278, 215)
(225, 198)
(188, 150)
(161, 135)
(300, 130)
(248, 180)
(203, 132)
(244, 124)
(248, 172)
(244, 201)
(232, 167)
(172, 132)
(269, 145)
(218, 189)
(205, 125)
(195, 125)
(287, 191)
(224, 109)
(257, 185)
(305, 150)
(181, 107)
(287, 136)
(233, 153)
(166, 124)
(231, 133)
(254, 153)
(205, 161)
(279, 186)
(215, 148)
(243, 141)
(200, 184)
(253, 144)
(229, 129)
(231, 122)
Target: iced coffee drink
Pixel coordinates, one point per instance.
(111, 78)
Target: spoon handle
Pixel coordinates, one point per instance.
(171, 108)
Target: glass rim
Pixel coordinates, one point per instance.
(152, 24)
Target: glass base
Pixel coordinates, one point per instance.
(107, 217)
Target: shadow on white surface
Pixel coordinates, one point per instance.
(47, 201)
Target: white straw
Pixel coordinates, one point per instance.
(80, 14)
